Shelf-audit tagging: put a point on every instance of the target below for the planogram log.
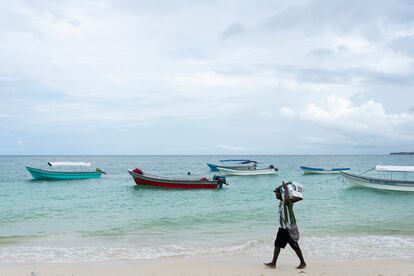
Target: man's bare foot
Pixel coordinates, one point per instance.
(271, 265)
(301, 266)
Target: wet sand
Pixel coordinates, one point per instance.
(210, 265)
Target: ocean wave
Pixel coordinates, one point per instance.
(326, 248)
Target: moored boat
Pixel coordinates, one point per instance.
(387, 182)
(264, 171)
(234, 164)
(151, 181)
(65, 171)
(314, 170)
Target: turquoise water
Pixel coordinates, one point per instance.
(110, 219)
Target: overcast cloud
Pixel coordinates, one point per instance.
(206, 77)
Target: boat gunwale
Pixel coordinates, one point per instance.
(323, 169)
(381, 181)
(256, 170)
(162, 179)
(241, 172)
(62, 172)
(239, 166)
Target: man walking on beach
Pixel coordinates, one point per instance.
(288, 230)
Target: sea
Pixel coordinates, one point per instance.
(110, 219)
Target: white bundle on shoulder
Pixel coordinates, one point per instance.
(294, 191)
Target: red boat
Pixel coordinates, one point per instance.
(151, 181)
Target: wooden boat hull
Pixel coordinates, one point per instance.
(143, 180)
(227, 171)
(56, 175)
(378, 183)
(215, 168)
(311, 170)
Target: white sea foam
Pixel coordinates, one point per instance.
(326, 248)
(362, 247)
(349, 248)
(94, 254)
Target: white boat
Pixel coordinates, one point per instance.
(388, 179)
(313, 170)
(227, 171)
(234, 164)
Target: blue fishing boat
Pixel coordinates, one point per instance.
(313, 170)
(65, 171)
(236, 164)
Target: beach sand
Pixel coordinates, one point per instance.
(210, 265)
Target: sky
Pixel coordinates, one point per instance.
(206, 77)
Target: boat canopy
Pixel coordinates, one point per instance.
(394, 168)
(242, 161)
(69, 164)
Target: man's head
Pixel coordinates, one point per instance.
(278, 193)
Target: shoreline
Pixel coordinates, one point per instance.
(211, 264)
(61, 249)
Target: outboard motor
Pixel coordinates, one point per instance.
(220, 180)
(294, 191)
(100, 171)
(273, 167)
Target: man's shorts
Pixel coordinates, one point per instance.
(284, 238)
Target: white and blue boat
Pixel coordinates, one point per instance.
(270, 170)
(235, 164)
(65, 171)
(313, 170)
(394, 178)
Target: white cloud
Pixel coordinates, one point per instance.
(369, 118)
(287, 112)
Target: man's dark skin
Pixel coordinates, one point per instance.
(298, 252)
